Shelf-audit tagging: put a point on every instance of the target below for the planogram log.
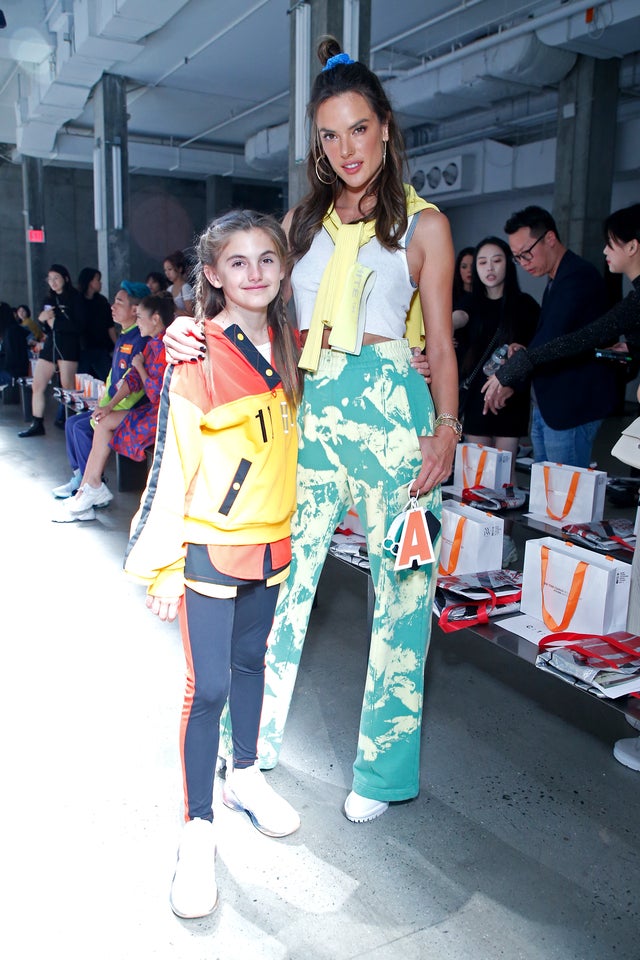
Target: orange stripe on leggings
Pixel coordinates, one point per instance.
(189, 694)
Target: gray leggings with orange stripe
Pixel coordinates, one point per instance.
(224, 643)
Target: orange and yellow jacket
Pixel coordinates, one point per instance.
(224, 467)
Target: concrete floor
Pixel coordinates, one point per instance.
(523, 843)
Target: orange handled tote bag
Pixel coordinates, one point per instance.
(571, 588)
(560, 494)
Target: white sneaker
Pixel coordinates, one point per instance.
(627, 752)
(361, 809)
(194, 892)
(68, 489)
(64, 515)
(246, 789)
(632, 721)
(87, 497)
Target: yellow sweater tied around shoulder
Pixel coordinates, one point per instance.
(345, 286)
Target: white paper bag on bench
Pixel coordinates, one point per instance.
(563, 494)
(571, 588)
(477, 465)
(471, 540)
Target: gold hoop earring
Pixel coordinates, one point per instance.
(384, 153)
(327, 183)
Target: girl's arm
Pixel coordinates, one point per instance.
(431, 252)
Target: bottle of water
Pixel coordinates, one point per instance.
(496, 360)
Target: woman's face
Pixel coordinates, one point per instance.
(351, 136)
(614, 254)
(170, 272)
(466, 269)
(55, 281)
(491, 264)
(153, 284)
(22, 313)
(95, 285)
(148, 322)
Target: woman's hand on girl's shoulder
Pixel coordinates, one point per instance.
(183, 341)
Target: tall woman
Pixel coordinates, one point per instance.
(499, 313)
(61, 318)
(363, 244)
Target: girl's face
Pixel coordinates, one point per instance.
(55, 281)
(248, 270)
(95, 285)
(491, 264)
(170, 271)
(351, 136)
(148, 322)
(22, 313)
(153, 284)
(466, 269)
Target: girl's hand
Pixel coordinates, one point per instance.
(513, 347)
(101, 412)
(438, 452)
(166, 608)
(420, 363)
(183, 341)
(138, 362)
(47, 316)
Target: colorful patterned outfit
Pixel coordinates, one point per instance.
(359, 424)
(137, 430)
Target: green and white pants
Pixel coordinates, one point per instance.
(359, 423)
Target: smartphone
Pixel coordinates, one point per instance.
(613, 355)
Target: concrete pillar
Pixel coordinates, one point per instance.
(219, 196)
(347, 20)
(33, 205)
(111, 182)
(587, 109)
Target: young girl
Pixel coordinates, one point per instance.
(212, 536)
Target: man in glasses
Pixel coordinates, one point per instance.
(570, 397)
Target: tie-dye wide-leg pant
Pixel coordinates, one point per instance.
(359, 423)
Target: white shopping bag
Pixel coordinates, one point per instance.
(571, 588)
(560, 494)
(471, 540)
(477, 465)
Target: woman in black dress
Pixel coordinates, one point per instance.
(61, 319)
(500, 313)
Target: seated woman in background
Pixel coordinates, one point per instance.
(128, 432)
(99, 334)
(14, 354)
(32, 330)
(175, 268)
(157, 282)
(500, 313)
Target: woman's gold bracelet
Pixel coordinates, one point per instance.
(448, 420)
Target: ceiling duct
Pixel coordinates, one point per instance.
(87, 39)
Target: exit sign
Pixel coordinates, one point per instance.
(36, 236)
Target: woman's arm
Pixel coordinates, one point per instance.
(431, 251)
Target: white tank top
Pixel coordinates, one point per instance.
(390, 297)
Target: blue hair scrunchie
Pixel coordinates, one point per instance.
(334, 61)
(136, 290)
